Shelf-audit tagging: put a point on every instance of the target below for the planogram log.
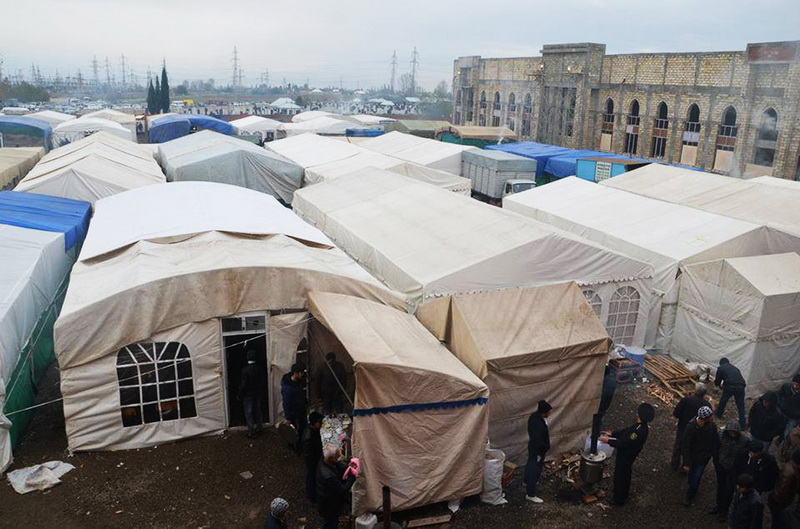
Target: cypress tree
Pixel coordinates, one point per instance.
(164, 96)
(151, 99)
(157, 98)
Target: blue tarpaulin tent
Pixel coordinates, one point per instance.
(567, 164)
(541, 152)
(46, 213)
(359, 132)
(23, 125)
(172, 127)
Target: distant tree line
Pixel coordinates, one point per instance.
(158, 95)
(23, 92)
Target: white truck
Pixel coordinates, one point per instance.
(496, 174)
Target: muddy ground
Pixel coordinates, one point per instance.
(197, 483)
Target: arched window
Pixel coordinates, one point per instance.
(623, 312)
(691, 128)
(767, 138)
(608, 115)
(526, 116)
(632, 129)
(512, 102)
(483, 99)
(155, 383)
(497, 100)
(594, 300)
(728, 126)
(496, 110)
(660, 131)
(527, 107)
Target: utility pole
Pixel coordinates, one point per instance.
(394, 70)
(236, 73)
(1, 68)
(95, 78)
(414, 66)
(124, 77)
(108, 74)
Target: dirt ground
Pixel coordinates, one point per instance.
(197, 483)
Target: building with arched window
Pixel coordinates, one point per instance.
(725, 112)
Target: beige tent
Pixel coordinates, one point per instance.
(419, 422)
(527, 345)
(189, 288)
(126, 120)
(16, 162)
(746, 309)
(430, 153)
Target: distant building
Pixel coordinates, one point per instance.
(734, 113)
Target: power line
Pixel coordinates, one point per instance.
(394, 70)
(108, 74)
(237, 76)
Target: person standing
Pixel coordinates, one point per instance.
(790, 444)
(730, 379)
(607, 393)
(312, 453)
(685, 411)
(250, 389)
(747, 508)
(732, 445)
(759, 464)
(789, 403)
(332, 488)
(629, 443)
(295, 402)
(700, 444)
(332, 378)
(766, 420)
(786, 490)
(538, 446)
(278, 512)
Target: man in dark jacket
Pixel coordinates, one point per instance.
(732, 445)
(278, 511)
(700, 444)
(747, 509)
(629, 443)
(786, 489)
(766, 420)
(730, 379)
(789, 403)
(331, 379)
(332, 488)
(295, 402)
(250, 388)
(685, 411)
(312, 453)
(759, 464)
(607, 393)
(538, 446)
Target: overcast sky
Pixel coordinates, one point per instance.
(325, 40)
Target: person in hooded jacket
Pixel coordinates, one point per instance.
(759, 464)
(789, 403)
(629, 443)
(732, 444)
(747, 508)
(685, 411)
(700, 444)
(766, 420)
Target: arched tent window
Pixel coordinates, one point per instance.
(595, 301)
(512, 102)
(623, 312)
(155, 383)
(767, 138)
(660, 131)
(632, 129)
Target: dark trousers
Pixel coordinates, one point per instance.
(737, 392)
(725, 486)
(533, 471)
(676, 448)
(330, 523)
(311, 483)
(623, 471)
(252, 414)
(695, 475)
(777, 514)
(298, 420)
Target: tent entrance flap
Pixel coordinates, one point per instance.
(241, 334)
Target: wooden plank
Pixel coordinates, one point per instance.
(431, 520)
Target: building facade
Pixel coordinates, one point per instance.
(735, 113)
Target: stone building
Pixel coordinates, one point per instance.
(735, 113)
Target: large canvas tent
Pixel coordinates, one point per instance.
(126, 120)
(416, 407)
(745, 309)
(52, 117)
(476, 136)
(265, 128)
(213, 157)
(527, 345)
(175, 126)
(749, 200)
(662, 234)
(38, 241)
(426, 242)
(16, 162)
(93, 168)
(190, 273)
(310, 115)
(773, 181)
(430, 153)
(418, 127)
(76, 129)
(24, 131)
(325, 125)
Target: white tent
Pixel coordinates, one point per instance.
(16, 162)
(371, 121)
(773, 181)
(749, 200)
(93, 168)
(76, 129)
(52, 117)
(422, 151)
(426, 242)
(209, 156)
(323, 125)
(309, 150)
(284, 104)
(746, 309)
(126, 120)
(34, 264)
(256, 125)
(310, 115)
(173, 280)
(662, 234)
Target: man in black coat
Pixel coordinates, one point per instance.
(250, 388)
(332, 488)
(766, 420)
(747, 508)
(629, 443)
(759, 464)
(538, 446)
(685, 411)
(730, 379)
(278, 512)
(312, 453)
(295, 402)
(732, 444)
(789, 404)
(700, 444)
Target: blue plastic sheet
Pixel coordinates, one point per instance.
(363, 133)
(541, 152)
(172, 127)
(46, 213)
(30, 126)
(567, 164)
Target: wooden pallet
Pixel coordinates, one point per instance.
(671, 373)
